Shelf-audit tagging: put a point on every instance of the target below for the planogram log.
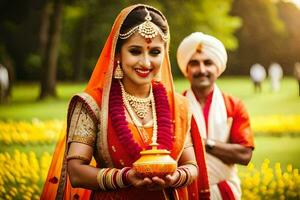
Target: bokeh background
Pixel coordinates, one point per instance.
(49, 49)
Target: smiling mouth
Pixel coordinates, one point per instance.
(143, 72)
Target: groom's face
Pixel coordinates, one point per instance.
(201, 71)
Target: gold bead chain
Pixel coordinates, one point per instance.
(136, 122)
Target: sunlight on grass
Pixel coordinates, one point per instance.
(24, 104)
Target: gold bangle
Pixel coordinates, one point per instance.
(177, 182)
(78, 157)
(109, 179)
(100, 178)
(186, 171)
(189, 177)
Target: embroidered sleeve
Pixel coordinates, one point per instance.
(82, 128)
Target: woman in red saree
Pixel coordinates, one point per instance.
(129, 103)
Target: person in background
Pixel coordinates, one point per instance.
(128, 105)
(258, 75)
(4, 84)
(297, 74)
(218, 118)
(275, 73)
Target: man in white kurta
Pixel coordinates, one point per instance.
(275, 73)
(219, 119)
(258, 75)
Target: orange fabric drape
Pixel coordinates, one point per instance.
(54, 174)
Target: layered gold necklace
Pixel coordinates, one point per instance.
(147, 104)
(140, 106)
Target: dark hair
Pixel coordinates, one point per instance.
(136, 17)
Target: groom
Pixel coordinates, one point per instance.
(219, 119)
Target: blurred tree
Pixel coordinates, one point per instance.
(44, 27)
(290, 45)
(18, 33)
(86, 26)
(258, 37)
(49, 59)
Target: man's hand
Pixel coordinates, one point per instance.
(230, 153)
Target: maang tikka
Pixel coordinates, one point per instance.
(118, 74)
(147, 29)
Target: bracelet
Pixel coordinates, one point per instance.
(100, 178)
(112, 178)
(189, 177)
(79, 157)
(185, 177)
(182, 178)
(124, 175)
(178, 180)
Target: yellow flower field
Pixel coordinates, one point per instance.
(35, 132)
(47, 132)
(276, 124)
(269, 182)
(22, 175)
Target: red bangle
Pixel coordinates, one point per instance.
(125, 176)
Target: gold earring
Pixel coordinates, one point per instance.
(118, 74)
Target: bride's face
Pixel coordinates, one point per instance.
(141, 59)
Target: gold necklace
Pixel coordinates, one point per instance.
(141, 106)
(136, 122)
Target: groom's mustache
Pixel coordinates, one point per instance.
(200, 74)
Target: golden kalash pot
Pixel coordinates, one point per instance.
(155, 162)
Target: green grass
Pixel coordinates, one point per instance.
(284, 102)
(285, 150)
(24, 105)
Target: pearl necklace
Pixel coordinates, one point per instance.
(129, 107)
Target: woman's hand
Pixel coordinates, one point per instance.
(161, 183)
(137, 181)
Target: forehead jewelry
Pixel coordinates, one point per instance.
(147, 29)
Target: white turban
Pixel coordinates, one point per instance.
(210, 46)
